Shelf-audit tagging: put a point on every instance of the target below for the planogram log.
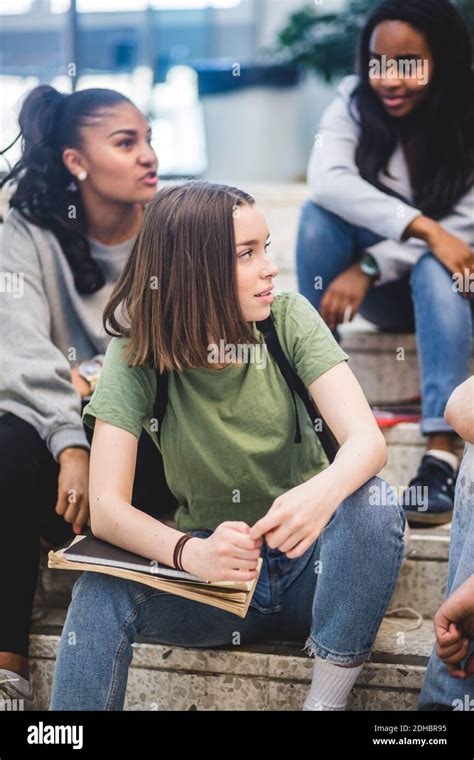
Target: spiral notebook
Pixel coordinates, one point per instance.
(91, 554)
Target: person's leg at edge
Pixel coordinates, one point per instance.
(440, 690)
(29, 476)
(444, 339)
(444, 323)
(29, 479)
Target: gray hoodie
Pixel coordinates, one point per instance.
(46, 327)
(337, 186)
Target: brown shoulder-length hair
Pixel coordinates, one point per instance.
(178, 289)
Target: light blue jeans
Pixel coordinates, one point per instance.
(332, 598)
(327, 245)
(439, 688)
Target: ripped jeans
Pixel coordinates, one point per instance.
(332, 599)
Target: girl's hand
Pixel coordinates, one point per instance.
(228, 554)
(347, 289)
(454, 253)
(73, 487)
(295, 519)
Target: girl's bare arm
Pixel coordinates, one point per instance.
(113, 518)
(363, 451)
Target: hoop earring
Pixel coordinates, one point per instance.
(82, 175)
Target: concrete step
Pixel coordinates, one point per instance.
(386, 364)
(270, 676)
(421, 585)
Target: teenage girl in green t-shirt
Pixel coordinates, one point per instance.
(200, 272)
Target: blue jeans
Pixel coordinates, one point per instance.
(439, 688)
(327, 245)
(332, 598)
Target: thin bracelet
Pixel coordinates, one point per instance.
(178, 549)
(180, 552)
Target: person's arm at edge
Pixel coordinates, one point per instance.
(34, 373)
(459, 411)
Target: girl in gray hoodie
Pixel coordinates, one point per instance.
(86, 172)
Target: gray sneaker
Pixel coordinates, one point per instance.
(14, 697)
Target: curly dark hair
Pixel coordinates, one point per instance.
(443, 126)
(44, 193)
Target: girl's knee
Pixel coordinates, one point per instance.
(316, 217)
(428, 272)
(375, 507)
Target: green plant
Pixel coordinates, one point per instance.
(467, 9)
(326, 42)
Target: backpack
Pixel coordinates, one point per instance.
(294, 383)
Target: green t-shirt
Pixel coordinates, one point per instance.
(227, 439)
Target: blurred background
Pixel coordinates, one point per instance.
(233, 88)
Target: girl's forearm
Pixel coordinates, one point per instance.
(121, 524)
(359, 458)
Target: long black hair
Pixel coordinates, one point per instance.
(45, 193)
(443, 126)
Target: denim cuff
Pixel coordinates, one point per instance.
(430, 425)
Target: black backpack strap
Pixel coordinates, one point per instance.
(295, 384)
(267, 327)
(161, 399)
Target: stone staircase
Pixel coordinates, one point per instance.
(277, 675)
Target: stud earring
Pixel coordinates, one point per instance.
(82, 175)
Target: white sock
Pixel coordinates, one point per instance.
(22, 686)
(331, 685)
(446, 456)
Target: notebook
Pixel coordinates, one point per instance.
(91, 554)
